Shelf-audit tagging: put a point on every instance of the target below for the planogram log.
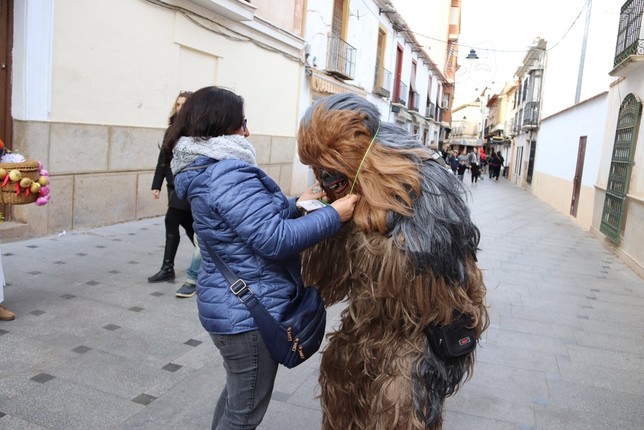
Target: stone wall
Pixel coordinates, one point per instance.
(101, 175)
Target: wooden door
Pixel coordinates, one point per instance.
(6, 39)
(579, 171)
(6, 44)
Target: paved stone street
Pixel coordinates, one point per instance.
(95, 346)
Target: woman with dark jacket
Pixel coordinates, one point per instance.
(242, 214)
(495, 165)
(178, 213)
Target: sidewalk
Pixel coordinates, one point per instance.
(94, 346)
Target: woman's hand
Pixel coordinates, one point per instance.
(156, 194)
(345, 206)
(313, 193)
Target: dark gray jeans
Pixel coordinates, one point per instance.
(250, 375)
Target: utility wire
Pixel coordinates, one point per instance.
(509, 50)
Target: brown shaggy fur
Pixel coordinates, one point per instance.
(365, 373)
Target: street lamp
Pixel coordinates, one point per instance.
(478, 100)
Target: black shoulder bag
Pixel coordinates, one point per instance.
(453, 340)
(295, 339)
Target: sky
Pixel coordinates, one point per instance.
(501, 31)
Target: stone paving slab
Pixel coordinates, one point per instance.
(95, 346)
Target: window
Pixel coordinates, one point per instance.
(398, 75)
(382, 79)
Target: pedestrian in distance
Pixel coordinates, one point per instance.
(463, 156)
(462, 167)
(495, 165)
(453, 162)
(242, 214)
(475, 170)
(177, 215)
(483, 159)
(498, 153)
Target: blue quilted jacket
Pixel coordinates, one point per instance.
(256, 230)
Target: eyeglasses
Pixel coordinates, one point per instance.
(245, 124)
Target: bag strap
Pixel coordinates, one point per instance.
(236, 285)
(244, 294)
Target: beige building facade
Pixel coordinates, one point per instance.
(93, 83)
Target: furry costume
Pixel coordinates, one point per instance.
(406, 261)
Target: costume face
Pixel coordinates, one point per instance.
(334, 184)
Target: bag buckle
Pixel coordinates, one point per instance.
(238, 288)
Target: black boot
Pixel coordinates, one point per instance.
(167, 269)
(165, 274)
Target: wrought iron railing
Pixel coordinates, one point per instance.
(628, 35)
(531, 114)
(414, 100)
(430, 110)
(382, 84)
(341, 58)
(402, 94)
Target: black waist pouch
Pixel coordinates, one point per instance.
(453, 340)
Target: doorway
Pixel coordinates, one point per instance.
(6, 46)
(579, 171)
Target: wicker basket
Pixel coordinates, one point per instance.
(28, 169)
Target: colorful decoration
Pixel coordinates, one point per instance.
(20, 174)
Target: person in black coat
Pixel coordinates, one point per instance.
(178, 213)
(496, 162)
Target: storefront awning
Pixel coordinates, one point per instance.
(499, 140)
(326, 84)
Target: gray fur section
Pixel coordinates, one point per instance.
(434, 379)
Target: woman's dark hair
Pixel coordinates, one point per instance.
(208, 112)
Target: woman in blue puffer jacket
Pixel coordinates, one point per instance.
(243, 215)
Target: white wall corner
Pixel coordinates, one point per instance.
(32, 59)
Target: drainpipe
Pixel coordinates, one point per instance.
(583, 52)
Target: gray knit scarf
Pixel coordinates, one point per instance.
(188, 149)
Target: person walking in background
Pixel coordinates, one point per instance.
(462, 167)
(473, 164)
(463, 156)
(483, 159)
(178, 214)
(453, 162)
(189, 287)
(495, 165)
(242, 214)
(498, 153)
(5, 314)
(475, 170)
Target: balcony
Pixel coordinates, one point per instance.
(530, 115)
(630, 45)
(430, 110)
(414, 100)
(402, 94)
(628, 36)
(382, 84)
(341, 59)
